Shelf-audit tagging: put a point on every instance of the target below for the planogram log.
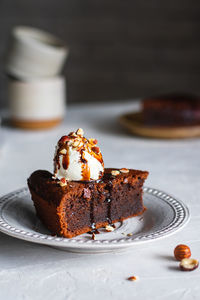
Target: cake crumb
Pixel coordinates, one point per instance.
(80, 132)
(62, 182)
(129, 234)
(109, 228)
(86, 193)
(115, 172)
(133, 278)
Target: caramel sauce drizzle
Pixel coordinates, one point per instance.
(91, 148)
(65, 160)
(98, 157)
(85, 167)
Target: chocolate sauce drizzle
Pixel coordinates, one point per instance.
(92, 222)
(109, 202)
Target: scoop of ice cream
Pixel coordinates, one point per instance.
(77, 158)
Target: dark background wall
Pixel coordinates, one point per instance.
(119, 49)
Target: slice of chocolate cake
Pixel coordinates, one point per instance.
(81, 195)
(79, 207)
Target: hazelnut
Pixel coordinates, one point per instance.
(109, 228)
(182, 251)
(63, 151)
(124, 170)
(189, 264)
(80, 132)
(115, 172)
(133, 278)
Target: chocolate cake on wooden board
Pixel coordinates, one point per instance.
(171, 110)
(79, 207)
(81, 195)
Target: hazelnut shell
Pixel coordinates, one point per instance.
(189, 264)
(181, 252)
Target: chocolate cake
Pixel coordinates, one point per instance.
(81, 195)
(80, 206)
(171, 110)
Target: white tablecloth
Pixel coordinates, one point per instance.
(30, 271)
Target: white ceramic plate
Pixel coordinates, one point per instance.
(164, 216)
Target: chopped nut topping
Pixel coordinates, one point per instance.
(63, 182)
(73, 134)
(80, 132)
(93, 236)
(133, 278)
(80, 144)
(115, 172)
(76, 143)
(93, 141)
(63, 151)
(109, 228)
(70, 142)
(96, 150)
(125, 180)
(129, 234)
(124, 170)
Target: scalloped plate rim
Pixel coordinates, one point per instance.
(96, 245)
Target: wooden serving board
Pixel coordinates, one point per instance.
(134, 123)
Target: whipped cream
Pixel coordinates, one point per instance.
(77, 158)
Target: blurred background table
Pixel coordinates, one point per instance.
(30, 271)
